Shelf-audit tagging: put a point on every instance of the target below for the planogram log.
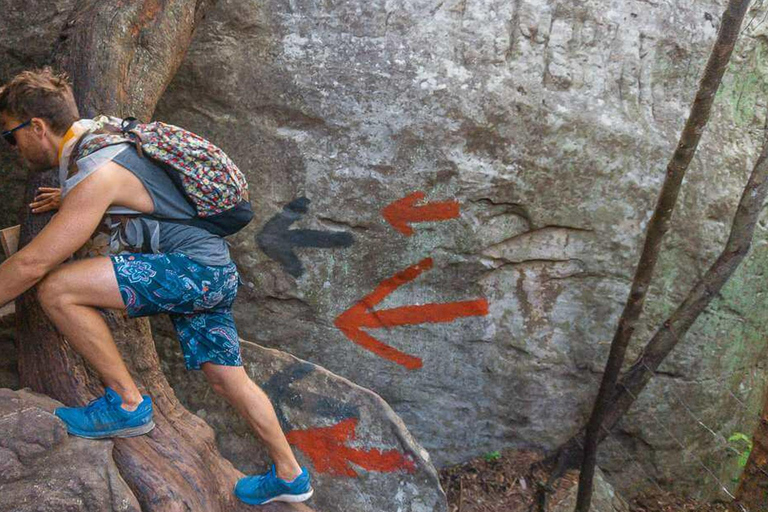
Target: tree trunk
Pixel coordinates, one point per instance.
(121, 55)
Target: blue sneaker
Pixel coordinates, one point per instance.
(104, 417)
(261, 489)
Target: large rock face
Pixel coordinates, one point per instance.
(43, 469)
(541, 129)
(550, 124)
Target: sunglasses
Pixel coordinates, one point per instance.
(8, 134)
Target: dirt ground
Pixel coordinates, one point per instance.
(502, 482)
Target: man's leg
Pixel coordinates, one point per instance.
(234, 384)
(70, 295)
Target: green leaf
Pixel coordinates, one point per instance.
(738, 436)
(743, 458)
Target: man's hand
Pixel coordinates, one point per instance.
(48, 199)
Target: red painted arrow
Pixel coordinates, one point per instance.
(403, 212)
(362, 314)
(328, 450)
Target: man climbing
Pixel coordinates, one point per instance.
(183, 270)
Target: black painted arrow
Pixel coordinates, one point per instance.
(278, 387)
(278, 242)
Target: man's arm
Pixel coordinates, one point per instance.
(78, 217)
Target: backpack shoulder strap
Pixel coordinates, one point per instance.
(71, 166)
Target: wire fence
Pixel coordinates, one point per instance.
(756, 8)
(720, 440)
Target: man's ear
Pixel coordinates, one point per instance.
(40, 127)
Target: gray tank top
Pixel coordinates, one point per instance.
(198, 244)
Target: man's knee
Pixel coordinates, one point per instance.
(51, 290)
(218, 386)
(224, 379)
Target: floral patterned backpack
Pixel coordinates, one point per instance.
(208, 179)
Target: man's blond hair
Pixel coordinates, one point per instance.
(41, 93)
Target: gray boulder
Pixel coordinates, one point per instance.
(42, 468)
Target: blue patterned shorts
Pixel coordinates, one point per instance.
(197, 298)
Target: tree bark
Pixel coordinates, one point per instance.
(753, 484)
(121, 55)
(657, 228)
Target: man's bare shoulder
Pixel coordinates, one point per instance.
(126, 188)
